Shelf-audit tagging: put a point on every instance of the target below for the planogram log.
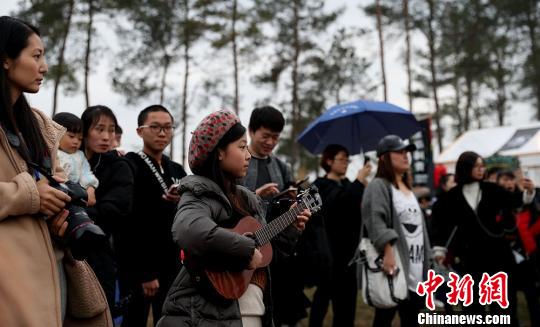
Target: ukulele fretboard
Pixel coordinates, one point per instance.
(270, 230)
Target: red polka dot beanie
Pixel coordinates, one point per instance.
(207, 135)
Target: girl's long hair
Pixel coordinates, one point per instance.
(464, 167)
(386, 171)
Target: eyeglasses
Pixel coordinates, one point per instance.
(347, 160)
(156, 129)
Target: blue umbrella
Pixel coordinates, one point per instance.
(358, 126)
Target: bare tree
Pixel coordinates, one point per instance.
(381, 48)
(235, 56)
(432, 57)
(61, 56)
(406, 20)
(89, 34)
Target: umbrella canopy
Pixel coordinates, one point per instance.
(358, 126)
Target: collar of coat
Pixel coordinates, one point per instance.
(202, 186)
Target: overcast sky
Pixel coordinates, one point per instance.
(102, 93)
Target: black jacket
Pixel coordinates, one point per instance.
(153, 251)
(479, 242)
(342, 216)
(114, 195)
(114, 199)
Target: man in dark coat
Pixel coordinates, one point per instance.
(152, 261)
(267, 175)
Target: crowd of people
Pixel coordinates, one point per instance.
(152, 233)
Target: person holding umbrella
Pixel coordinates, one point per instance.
(393, 218)
(341, 207)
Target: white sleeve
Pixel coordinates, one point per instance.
(88, 179)
(528, 198)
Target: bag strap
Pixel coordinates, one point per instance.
(484, 228)
(358, 256)
(154, 170)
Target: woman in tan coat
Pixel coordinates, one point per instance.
(30, 210)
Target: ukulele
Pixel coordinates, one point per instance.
(232, 284)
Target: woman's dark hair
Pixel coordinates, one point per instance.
(227, 183)
(464, 167)
(329, 153)
(71, 122)
(442, 183)
(91, 116)
(386, 171)
(17, 116)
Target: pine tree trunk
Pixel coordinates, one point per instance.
(60, 65)
(235, 58)
(501, 93)
(434, 86)
(469, 99)
(535, 56)
(456, 48)
(88, 50)
(381, 49)
(457, 103)
(294, 77)
(186, 80)
(166, 62)
(408, 52)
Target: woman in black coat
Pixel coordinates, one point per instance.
(466, 220)
(114, 196)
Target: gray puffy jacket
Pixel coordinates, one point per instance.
(202, 213)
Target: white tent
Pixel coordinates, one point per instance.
(521, 141)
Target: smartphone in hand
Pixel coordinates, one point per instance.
(173, 189)
(366, 160)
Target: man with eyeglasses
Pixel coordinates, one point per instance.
(153, 261)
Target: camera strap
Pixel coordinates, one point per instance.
(154, 170)
(17, 142)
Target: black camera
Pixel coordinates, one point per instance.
(82, 235)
